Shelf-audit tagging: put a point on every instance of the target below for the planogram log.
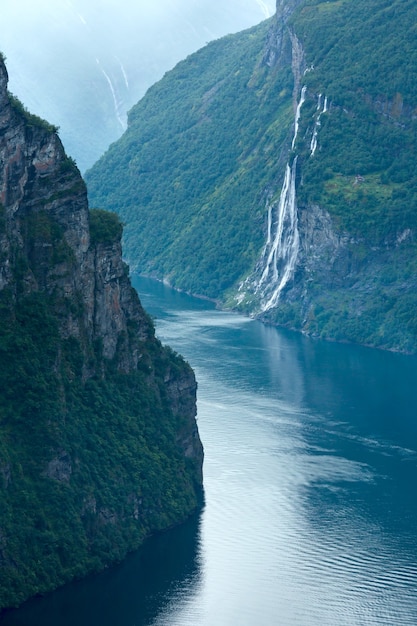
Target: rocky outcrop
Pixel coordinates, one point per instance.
(44, 205)
(276, 49)
(102, 447)
(182, 393)
(323, 250)
(343, 289)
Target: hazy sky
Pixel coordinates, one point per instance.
(82, 64)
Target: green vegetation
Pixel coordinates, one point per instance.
(87, 470)
(95, 413)
(105, 227)
(68, 165)
(30, 118)
(189, 175)
(377, 306)
(365, 171)
(46, 243)
(206, 148)
(90, 462)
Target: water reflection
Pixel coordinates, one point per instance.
(132, 593)
(321, 439)
(310, 472)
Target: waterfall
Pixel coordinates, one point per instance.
(264, 8)
(320, 111)
(116, 102)
(297, 115)
(269, 235)
(280, 252)
(123, 72)
(284, 250)
(278, 259)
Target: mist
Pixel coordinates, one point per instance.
(82, 64)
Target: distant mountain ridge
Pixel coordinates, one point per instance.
(275, 171)
(82, 64)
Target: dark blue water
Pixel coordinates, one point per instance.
(310, 479)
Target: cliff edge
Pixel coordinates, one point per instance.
(99, 445)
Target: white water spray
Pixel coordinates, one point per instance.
(116, 102)
(264, 8)
(124, 74)
(280, 252)
(297, 115)
(320, 111)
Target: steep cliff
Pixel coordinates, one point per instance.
(275, 172)
(98, 440)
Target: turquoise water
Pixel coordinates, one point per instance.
(310, 474)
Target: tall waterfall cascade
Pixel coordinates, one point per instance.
(280, 252)
(278, 259)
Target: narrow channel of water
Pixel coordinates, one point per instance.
(310, 474)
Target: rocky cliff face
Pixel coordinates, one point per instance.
(345, 289)
(98, 439)
(45, 208)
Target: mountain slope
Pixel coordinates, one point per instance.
(98, 440)
(173, 176)
(275, 171)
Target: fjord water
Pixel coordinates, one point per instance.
(310, 513)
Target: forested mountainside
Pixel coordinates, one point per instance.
(275, 171)
(98, 440)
